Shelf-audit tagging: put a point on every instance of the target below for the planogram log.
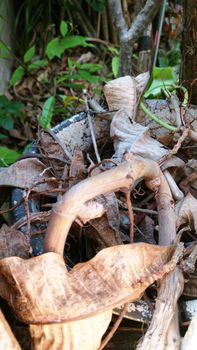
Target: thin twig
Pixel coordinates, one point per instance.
(176, 147)
(34, 217)
(92, 129)
(131, 217)
(114, 328)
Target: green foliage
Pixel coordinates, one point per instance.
(8, 156)
(57, 46)
(171, 58)
(8, 110)
(97, 5)
(161, 78)
(47, 112)
(63, 28)
(17, 76)
(29, 54)
(4, 50)
(115, 65)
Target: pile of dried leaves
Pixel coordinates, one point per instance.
(65, 266)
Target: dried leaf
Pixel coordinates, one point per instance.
(187, 210)
(132, 137)
(40, 290)
(25, 174)
(77, 167)
(112, 211)
(121, 92)
(7, 339)
(13, 243)
(105, 232)
(83, 334)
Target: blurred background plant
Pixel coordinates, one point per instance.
(59, 48)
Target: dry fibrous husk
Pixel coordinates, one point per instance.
(7, 339)
(40, 290)
(28, 174)
(83, 334)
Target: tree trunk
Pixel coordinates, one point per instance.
(6, 26)
(189, 47)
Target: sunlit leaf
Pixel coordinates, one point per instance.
(47, 112)
(54, 49)
(8, 156)
(17, 76)
(160, 78)
(29, 54)
(63, 28)
(115, 65)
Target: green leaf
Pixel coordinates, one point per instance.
(72, 41)
(38, 64)
(63, 28)
(6, 122)
(4, 50)
(29, 54)
(47, 112)
(92, 79)
(8, 156)
(56, 47)
(161, 78)
(74, 85)
(67, 77)
(91, 67)
(115, 65)
(17, 76)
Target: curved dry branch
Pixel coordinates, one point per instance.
(122, 177)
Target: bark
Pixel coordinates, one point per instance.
(128, 36)
(189, 48)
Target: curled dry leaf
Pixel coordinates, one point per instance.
(121, 92)
(13, 243)
(7, 339)
(40, 290)
(132, 137)
(25, 174)
(186, 212)
(83, 334)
